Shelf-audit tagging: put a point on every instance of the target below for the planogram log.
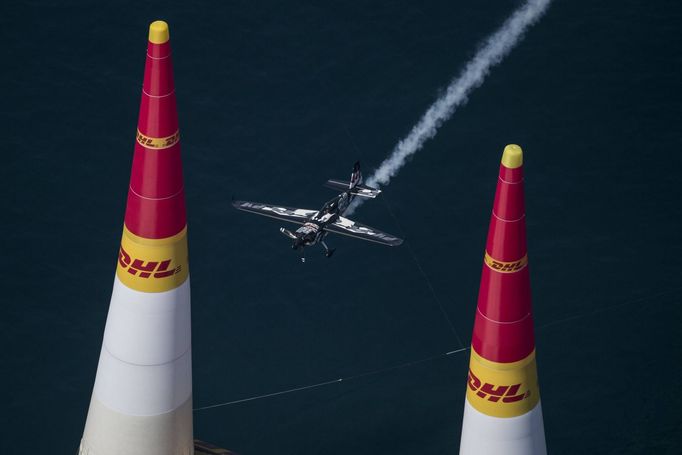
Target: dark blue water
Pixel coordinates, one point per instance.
(275, 98)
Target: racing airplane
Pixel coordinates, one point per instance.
(316, 224)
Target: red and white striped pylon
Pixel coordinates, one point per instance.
(142, 399)
(502, 412)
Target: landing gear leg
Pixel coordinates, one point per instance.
(327, 251)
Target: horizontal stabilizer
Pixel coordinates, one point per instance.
(358, 190)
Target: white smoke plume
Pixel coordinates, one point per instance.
(494, 49)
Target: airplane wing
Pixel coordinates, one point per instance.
(348, 227)
(290, 214)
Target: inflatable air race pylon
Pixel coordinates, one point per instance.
(142, 398)
(502, 412)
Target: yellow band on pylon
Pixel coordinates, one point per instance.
(158, 143)
(153, 265)
(502, 389)
(505, 267)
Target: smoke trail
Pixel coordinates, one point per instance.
(494, 49)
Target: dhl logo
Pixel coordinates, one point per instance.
(508, 393)
(159, 269)
(153, 265)
(158, 143)
(505, 267)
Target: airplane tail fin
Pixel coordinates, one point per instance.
(355, 185)
(356, 176)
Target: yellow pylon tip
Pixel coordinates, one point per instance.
(158, 32)
(512, 157)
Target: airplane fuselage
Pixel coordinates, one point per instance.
(312, 232)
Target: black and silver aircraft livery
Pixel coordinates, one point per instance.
(316, 224)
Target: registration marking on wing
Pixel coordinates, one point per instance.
(365, 231)
(303, 213)
(291, 214)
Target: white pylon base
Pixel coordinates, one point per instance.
(486, 435)
(108, 432)
(142, 399)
